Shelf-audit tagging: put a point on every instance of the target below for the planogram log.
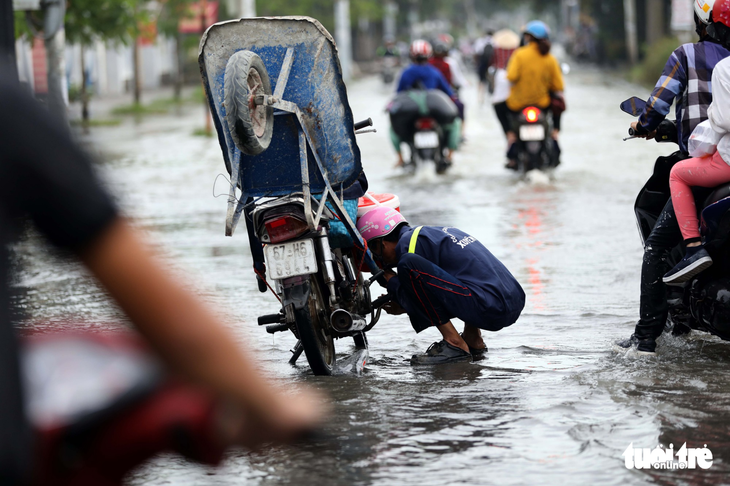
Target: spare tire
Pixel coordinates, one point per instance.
(251, 125)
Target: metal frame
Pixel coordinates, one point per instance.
(236, 205)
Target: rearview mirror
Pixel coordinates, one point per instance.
(634, 106)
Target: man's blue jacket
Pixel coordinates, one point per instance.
(464, 257)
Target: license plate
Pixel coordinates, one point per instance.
(290, 259)
(426, 140)
(532, 132)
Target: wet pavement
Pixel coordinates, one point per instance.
(551, 403)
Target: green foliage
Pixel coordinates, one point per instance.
(655, 57)
(322, 10)
(111, 122)
(202, 132)
(159, 106)
(21, 27)
(171, 14)
(110, 20)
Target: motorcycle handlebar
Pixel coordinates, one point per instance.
(365, 123)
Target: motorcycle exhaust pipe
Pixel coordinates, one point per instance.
(342, 321)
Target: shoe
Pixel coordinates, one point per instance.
(644, 347)
(511, 164)
(476, 353)
(440, 353)
(695, 260)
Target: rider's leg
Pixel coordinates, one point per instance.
(501, 110)
(395, 140)
(453, 137)
(701, 172)
(653, 300)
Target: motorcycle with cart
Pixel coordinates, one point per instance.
(292, 157)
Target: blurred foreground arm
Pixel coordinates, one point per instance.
(191, 339)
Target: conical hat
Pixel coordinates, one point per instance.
(506, 39)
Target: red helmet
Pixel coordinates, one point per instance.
(721, 12)
(719, 27)
(421, 50)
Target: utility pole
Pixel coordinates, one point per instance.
(7, 39)
(389, 27)
(471, 19)
(413, 19)
(654, 20)
(203, 26)
(247, 8)
(630, 28)
(54, 12)
(343, 36)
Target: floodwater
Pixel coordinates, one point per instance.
(551, 403)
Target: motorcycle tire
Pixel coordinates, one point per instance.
(319, 346)
(251, 126)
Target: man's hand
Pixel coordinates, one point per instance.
(393, 308)
(648, 136)
(388, 274)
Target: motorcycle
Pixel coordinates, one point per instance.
(418, 118)
(101, 405)
(388, 69)
(300, 229)
(703, 303)
(535, 147)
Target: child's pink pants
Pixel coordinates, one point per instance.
(707, 171)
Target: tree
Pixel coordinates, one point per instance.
(168, 23)
(88, 21)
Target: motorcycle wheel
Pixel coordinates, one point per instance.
(251, 126)
(319, 346)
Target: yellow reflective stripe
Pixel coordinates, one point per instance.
(414, 238)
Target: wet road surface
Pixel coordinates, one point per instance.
(551, 403)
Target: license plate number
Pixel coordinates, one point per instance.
(532, 132)
(426, 140)
(290, 259)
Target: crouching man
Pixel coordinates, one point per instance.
(442, 273)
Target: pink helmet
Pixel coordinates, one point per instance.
(379, 222)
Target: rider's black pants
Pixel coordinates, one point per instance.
(653, 306)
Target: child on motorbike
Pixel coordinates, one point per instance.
(708, 171)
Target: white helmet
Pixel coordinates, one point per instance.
(703, 9)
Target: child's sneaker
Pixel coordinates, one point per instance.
(695, 260)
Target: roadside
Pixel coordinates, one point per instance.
(111, 109)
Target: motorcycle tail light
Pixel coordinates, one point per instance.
(425, 123)
(531, 114)
(285, 228)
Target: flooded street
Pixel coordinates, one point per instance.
(550, 404)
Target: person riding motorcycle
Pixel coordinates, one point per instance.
(685, 81)
(536, 77)
(420, 74)
(390, 59)
(447, 66)
(442, 273)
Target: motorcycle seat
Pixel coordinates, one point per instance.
(719, 192)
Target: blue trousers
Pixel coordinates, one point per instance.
(432, 297)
